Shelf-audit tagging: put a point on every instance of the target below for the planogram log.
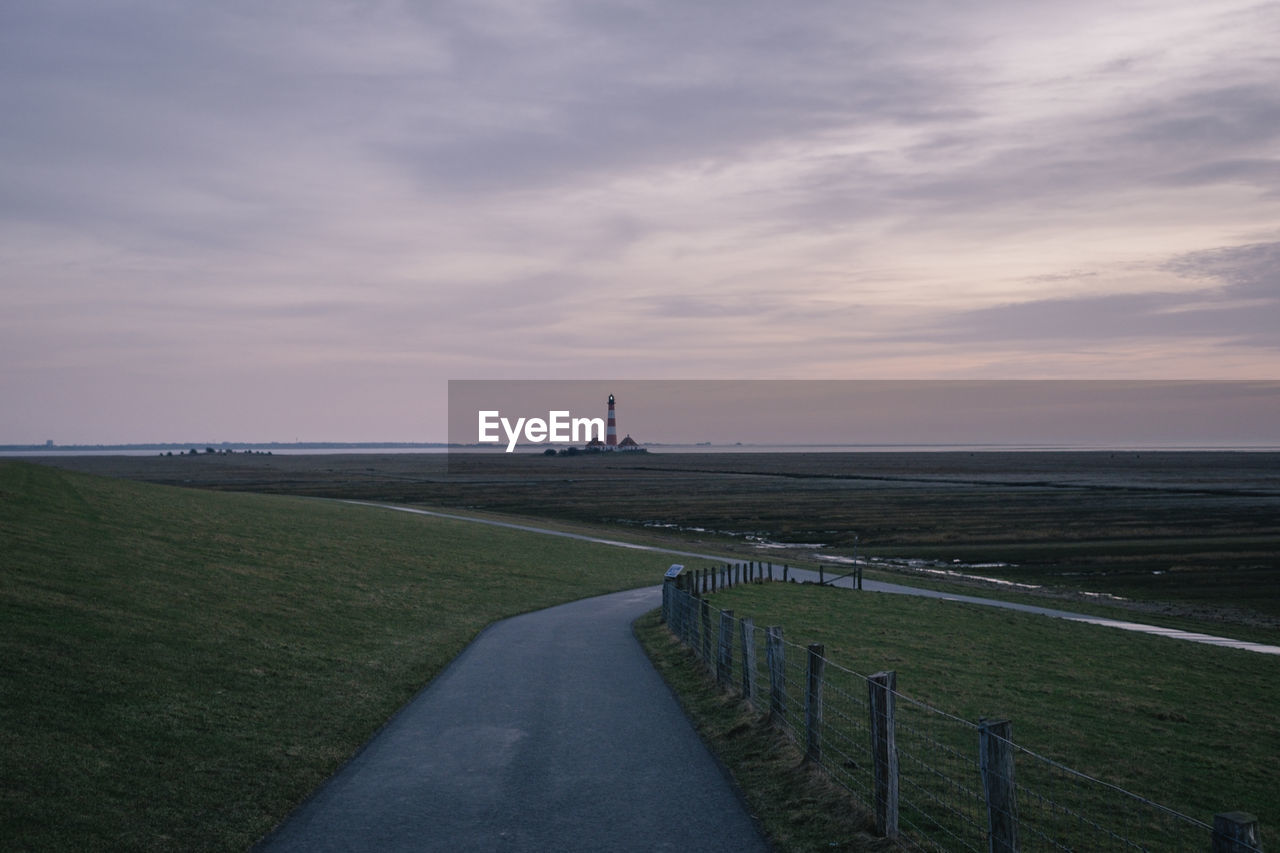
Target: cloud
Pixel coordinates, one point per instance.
(1239, 305)
(1246, 271)
(598, 88)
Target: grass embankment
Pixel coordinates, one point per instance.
(181, 668)
(1192, 727)
(799, 807)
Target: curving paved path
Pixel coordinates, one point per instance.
(551, 731)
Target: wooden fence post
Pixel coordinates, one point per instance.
(821, 579)
(813, 704)
(995, 759)
(724, 649)
(786, 570)
(884, 751)
(770, 572)
(1235, 832)
(775, 659)
(748, 632)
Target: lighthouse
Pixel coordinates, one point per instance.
(611, 434)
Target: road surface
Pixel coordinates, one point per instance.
(552, 731)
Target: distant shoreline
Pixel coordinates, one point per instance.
(335, 447)
(226, 445)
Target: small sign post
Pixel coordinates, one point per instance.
(670, 582)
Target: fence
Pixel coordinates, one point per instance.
(933, 781)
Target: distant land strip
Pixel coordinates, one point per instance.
(227, 445)
(961, 481)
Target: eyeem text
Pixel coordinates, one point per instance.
(558, 428)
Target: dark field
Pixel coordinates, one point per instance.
(1192, 535)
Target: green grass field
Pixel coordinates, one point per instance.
(1192, 727)
(182, 667)
(1188, 539)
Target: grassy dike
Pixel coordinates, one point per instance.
(1193, 727)
(180, 668)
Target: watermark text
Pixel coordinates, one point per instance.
(559, 427)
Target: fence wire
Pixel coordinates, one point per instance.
(846, 732)
(941, 805)
(942, 802)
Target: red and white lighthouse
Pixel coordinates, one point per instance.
(611, 433)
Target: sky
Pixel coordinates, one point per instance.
(299, 220)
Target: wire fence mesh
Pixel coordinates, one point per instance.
(957, 785)
(941, 804)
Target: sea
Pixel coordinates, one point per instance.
(321, 449)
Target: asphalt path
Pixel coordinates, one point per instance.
(551, 731)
